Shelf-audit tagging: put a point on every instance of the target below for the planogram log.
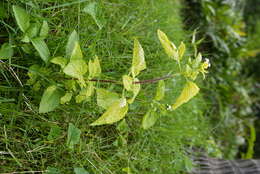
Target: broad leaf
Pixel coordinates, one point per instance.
(32, 31)
(138, 62)
(189, 91)
(42, 48)
(149, 119)
(169, 47)
(73, 39)
(94, 68)
(91, 9)
(181, 50)
(60, 61)
(128, 82)
(21, 17)
(44, 30)
(76, 69)
(114, 113)
(85, 93)
(50, 99)
(66, 98)
(6, 51)
(80, 170)
(73, 136)
(76, 52)
(160, 91)
(54, 133)
(105, 98)
(135, 89)
(52, 170)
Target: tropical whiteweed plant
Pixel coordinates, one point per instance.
(81, 76)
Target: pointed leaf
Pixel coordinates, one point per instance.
(91, 9)
(181, 50)
(60, 61)
(6, 51)
(169, 47)
(32, 31)
(105, 98)
(80, 170)
(85, 93)
(50, 99)
(52, 170)
(76, 52)
(73, 136)
(114, 113)
(94, 68)
(135, 89)
(21, 17)
(138, 62)
(73, 39)
(44, 29)
(76, 69)
(189, 91)
(66, 98)
(128, 82)
(42, 48)
(54, 133)
(160, 91)
(149, 119)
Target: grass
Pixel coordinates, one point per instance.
(164, 148)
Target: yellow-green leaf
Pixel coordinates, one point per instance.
(94, 68)
(114, 113)
(181, 50)
(73, 38)
(127, 82)
(85, 93)
(105, 98)
(76, 53)
(169, 47)
(76, 69)
(149, 119)
(42, 48)
(138, 62)
(135, 89)
(189, 91)
(21, 17)
(50, 99)
(160, 91)
(6, 51)
(60, 61)
(66, 98)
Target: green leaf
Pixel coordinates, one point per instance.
(76, 69)
(105, 98)
(81, 170)
(52, 170)
(160, 91)
(6, 51)
(60, 61)
(21, 17)
(73, 136)
(91, 9)
(114, 113)
(189, 91)
(50, 99)
(66, 98)
(44, 29)
(122, 126)
(135, 89)
(54, 133)
(181, 50)
(94, 68)
(76, 52)
(42, 48)
(85, 93)
(138, 62)
(169, 47)
(127, 170)
(32, 31)
(149, 119)
(73, 39)
(70, 85)
(128, 82)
